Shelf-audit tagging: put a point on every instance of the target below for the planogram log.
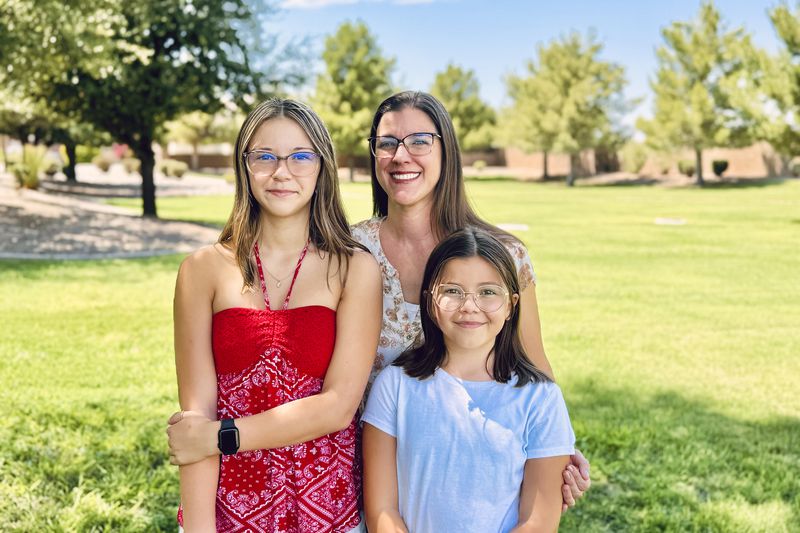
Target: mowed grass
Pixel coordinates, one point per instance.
(676, 346)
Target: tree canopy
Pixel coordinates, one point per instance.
(459, 91)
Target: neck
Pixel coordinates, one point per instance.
(470, 363)
(283, 233)
(411, 223)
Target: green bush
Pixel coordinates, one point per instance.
(131, 164)
(27, 169)
(102, 162)
(173, 167)
(796, 170)
(86, 154)
(479, 165)
(686, 167)
(719, 166)
(634, 156)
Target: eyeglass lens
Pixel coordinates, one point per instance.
(263, 163)
(488, 298)
(416, 144)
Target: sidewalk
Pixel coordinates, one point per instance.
(38, 225)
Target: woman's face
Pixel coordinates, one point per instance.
(407, 179)
(282, 187)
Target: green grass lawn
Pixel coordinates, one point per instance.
(676, 346)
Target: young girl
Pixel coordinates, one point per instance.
(464, 433)
(284, 300)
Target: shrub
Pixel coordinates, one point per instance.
(86, 154)
(102, 162)
(479, 164)
(51, 165)
(173, 167)
(796, 170)
(634, 156)
(719, 166)
(230, 177)
(131, 164)
(686, 167)
(27, 169)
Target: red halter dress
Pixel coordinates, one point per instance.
(266, 358)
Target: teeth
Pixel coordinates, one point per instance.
(405, 176)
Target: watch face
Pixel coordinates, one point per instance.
(229, 441)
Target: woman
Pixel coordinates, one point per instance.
(418, 199)
(283, 300)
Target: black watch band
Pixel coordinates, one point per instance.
(228, 437)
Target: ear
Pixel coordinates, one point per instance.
(514, 302)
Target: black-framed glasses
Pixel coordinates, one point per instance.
(265, 163)
(385, 146)
(489, 298)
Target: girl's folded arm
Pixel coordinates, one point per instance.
(380, 482)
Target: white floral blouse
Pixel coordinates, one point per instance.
(401, 321)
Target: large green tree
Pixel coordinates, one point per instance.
(567, 100)
(127, 67)
(703, 73)
(356, 78)
(458, 90)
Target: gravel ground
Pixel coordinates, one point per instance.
(37, 225)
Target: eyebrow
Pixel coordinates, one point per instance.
(270, 149)
(482, 283)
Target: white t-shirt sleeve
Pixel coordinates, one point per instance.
(381, 410)
(549, 432)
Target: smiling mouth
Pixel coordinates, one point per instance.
(470, 325)
(280, 192)
(404, 176)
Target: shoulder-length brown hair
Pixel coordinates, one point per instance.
(451, 210)
(509, 354)
(328, 228)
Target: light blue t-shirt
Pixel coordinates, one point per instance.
(462, 445)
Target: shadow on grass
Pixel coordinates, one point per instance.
(667, 463)
(744, 183)
(490, 179)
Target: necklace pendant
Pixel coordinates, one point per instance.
(278, 284)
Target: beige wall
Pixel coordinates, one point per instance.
(756, 161)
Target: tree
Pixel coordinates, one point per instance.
(703, 72)
(567, 102)
(128, 67)
(197, 127)
(355, 81)
(473, 120)
(780, 83)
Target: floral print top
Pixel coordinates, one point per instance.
(401, 321)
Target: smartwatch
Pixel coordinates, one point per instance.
(228, 437)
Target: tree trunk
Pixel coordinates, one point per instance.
(72, 158)
(571, 175)
(545, 173)
(144, 153)
(352, 169)
(698, 163)
(195, 157)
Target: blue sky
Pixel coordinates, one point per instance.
(495, 38)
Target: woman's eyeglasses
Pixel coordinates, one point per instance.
(265, 163)
(385, 146)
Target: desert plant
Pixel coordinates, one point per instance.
(86, 154)
(131, 164)
(686, 167)
(51, 165)
(719, 166)
(173, 167)
(102, 162)
(479, 164)
(27, 169)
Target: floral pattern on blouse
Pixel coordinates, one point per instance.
(399, 329)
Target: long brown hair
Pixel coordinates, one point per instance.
(328, 228)
(509, 354)
(451, 210)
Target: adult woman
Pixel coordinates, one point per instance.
(418, 199)
(288, 441)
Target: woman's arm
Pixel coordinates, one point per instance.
(540, 497)
(380, 482)
(358, 321)
(197, 385)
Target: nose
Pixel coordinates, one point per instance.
(470, 304)
(282, 170)
(398, 156)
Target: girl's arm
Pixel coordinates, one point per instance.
(358, 322)
(197, 385)
(575, 480)
(380, 482)
(540, 497)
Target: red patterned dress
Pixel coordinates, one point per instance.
(265, 358)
